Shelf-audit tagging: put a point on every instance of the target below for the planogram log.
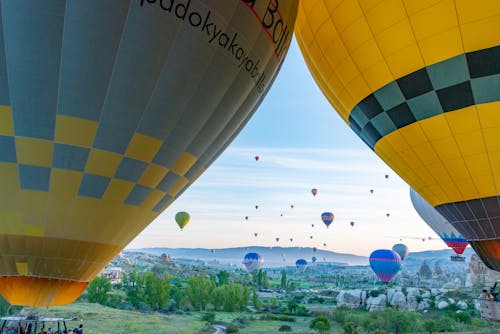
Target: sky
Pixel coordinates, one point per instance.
(302, 144)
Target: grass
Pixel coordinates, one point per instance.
(98, 319)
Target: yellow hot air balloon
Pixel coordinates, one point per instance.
(109, 110)
(182, 219)
(419, 82)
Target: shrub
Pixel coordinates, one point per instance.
(285, 328)
(231, 329)
(208, 317)
(321, 324)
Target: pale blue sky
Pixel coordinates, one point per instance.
(302, 144)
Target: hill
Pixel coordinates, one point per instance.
(285, 256)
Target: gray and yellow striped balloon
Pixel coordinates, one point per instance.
(110, 109)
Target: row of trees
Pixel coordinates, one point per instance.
(146, 291)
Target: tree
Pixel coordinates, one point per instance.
(198, 292)
(292, 306)
(255, 301)
(283, 283)
(320, 324)
(156, 291)
(349, 328)
(222, 278)
(97, 291)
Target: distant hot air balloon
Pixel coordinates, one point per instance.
(401, 249)
(314, 259)
(324, 244)
(281, 215)
(253, 261)
(301, 265)
(109, 112)
(291, 239)
(314, 249)
(277, 239)
(182, 218)
(352, 224)
(256, 207)
(257, 158)
(311, 237)
(292, 206)
(387, 215)
(418, 83)
(327, 218)
(314, 191)
(246, 217)
(371, 191)
(451, 237)
(385, 263)
(386, 176)
(312, 225)
(255, 234)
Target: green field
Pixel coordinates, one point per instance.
(98, 319)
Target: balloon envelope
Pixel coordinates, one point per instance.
(314, 191)
(401, 249)
(301, 265)
(253, 261)
(418, 83)
(327, 218)
(109, 111)
(314, 259)
(451, 237)
(385, 263)
(182, 219)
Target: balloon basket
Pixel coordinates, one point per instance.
(457, 258)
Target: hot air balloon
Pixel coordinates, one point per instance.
(292, 206)
(253, 261)
(314, 191)
(213, 250)
(352, 224)
(386, 176)
(314, 249)
(246, 217)
(401, 249)
(109, 111)
(451, 237)
(371, 191)
(301, 265)
(182, 218)
(327, 218)
(312, 225)
(385, 263)
(387, 215)
(311, 237)
(291, 239)
(418, 82)
(277, 239)
(256, 207)
(257, 158)
(314, 259)
(324, 244)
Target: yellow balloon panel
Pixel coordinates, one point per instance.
(419, 81)
(109, 110)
